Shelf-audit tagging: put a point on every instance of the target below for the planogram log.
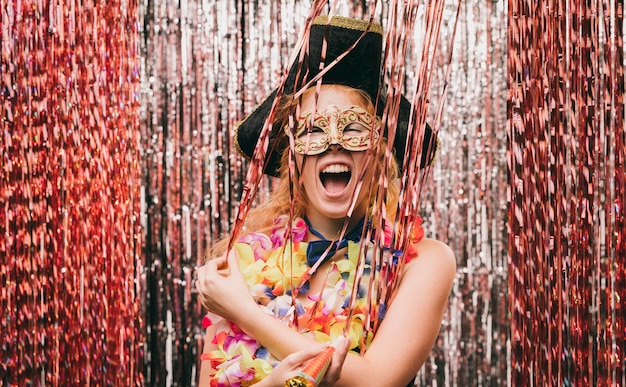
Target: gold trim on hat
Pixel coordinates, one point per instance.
(352, 24)
(236, 140)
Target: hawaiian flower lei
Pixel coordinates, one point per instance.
(273, 266)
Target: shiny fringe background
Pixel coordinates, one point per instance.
(567, 241)
(209, 64)
(118, 171)
(70, 174)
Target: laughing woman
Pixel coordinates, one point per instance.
(266, 315)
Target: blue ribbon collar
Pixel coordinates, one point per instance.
(315, 249)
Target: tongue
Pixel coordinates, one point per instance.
(334, 182)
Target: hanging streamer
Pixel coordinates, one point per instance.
(70, 238)
(567, 226)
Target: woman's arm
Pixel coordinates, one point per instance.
(406, 335)
(289, 367)
(404, 338)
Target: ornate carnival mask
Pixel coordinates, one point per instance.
(355, 129)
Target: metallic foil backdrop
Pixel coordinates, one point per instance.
(70, 174)
(567, 241)
(117, 170)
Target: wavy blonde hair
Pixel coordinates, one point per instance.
(261, 218)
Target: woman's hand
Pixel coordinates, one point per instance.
(292, 364)
(222, 289)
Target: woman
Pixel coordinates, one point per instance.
(287, 286)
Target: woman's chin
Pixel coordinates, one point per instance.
(338, 209)
(334, 211)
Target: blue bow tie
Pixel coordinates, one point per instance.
(316, 249)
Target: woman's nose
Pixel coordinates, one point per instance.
(333, 135)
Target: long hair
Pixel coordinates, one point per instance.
(261, 218)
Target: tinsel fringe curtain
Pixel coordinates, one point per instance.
(567, 227)
(70, 175)
(117, 171)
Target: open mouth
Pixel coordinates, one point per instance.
(335, 178)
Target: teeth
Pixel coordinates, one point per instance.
(336, 168)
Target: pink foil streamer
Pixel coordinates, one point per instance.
(70, 176)
(566, 272)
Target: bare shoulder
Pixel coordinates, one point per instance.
(434, 258)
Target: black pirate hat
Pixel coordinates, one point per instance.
(360, 69)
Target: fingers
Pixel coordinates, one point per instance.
(221, 260)
(219, 264)
(339, 357)
(233, 260)
(208, 278)
(211, 266)
(342, 346)
(205, 271)
(201, 274)
(223, 265)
